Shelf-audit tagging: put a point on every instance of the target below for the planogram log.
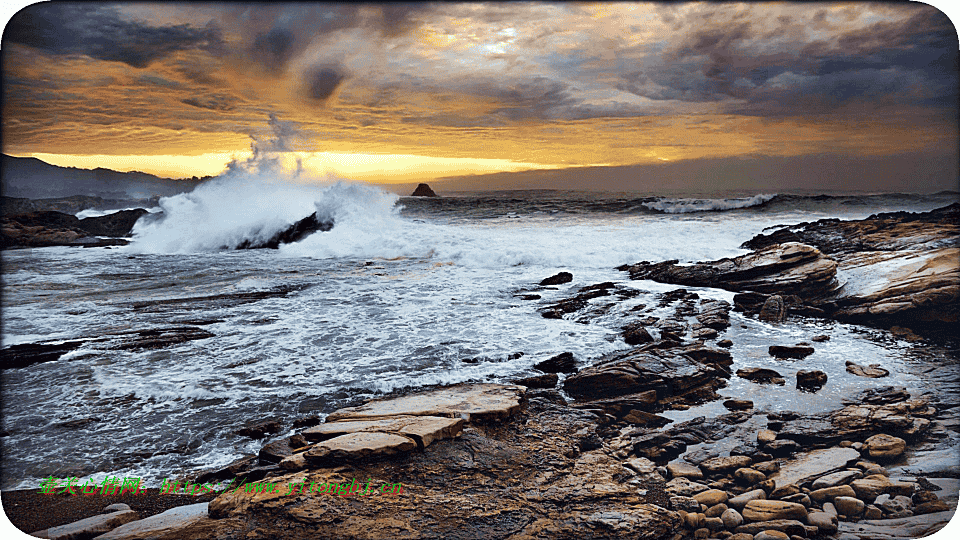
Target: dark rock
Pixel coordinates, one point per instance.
(738, 404)
(811, 380)
(797, 351)
(882, 396)
(275, 451)
(782, 447)
(423, 190)
(548, 380)
(229, 472)
(25, 354)
(632, 372)
(725, 343)
(294, 233)
(562, 363)
(642, 418)
(761, 375)
(161, 337)
(620, 406)
(773, 310)
(821, 338)
(636, 334)
(558, 279)
(859, 422)
(307, 421)
(530, 297)
(260, 429)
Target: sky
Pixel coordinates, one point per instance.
(618, 96)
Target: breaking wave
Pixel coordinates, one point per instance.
(685, 206)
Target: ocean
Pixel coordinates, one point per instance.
(402, 293)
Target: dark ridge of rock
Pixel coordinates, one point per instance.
(785, 351)
(547, 380)
(211, 302)
(636, 371)
(881, 396)
(260, 429)
(907, 419)
(780, 269)
(761, 375)
(423, 190)
(161, 337)
(276, 451)
(26, 354)
(51, 228)
(880, 232)
(561, 363)
(296, 232)
(558, 279)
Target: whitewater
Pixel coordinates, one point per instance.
(401, 293)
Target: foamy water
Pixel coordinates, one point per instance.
(400, 293)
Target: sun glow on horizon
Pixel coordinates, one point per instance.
(377, 168)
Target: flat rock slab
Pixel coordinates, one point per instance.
(422, 429)
(89, 527)
(361, 445)
(473, 402)
(890, 529)
(814, 465)
(161, 525)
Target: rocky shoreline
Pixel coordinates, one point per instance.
(590, 453)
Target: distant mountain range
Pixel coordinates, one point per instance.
(32, 178)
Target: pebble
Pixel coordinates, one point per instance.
(826, 523)
(731, 518)
(121, 507)
(684, 470)
(799, 498)
(872, 512)
(885, 447)
(771, 535)
(749, 476)
(830, 509)
(741, 500)
(701, 534)
(741, 536)
(713, 523)
(827, 494)
(716, 510)
(849, 506)
(711, 497)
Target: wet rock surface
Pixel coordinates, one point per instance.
(52, 228)
(896, 269)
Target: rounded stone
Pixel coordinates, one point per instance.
(748, 476)
(116, 507)
(766, 510)
(771, 535)
(826, 523)
(849, 506)
(684, 470)
(711, 497)
(872, 512)
(830, 493)
(883, 446)
(741, 536)
(731, 518)
(701, 534)
(695, 520)
(741, 500)
(716, 510)
(713, 523)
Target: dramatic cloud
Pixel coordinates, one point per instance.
(559, 84)
(99, 32)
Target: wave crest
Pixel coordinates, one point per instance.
(685, 206)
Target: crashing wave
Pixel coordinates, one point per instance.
(685, 206)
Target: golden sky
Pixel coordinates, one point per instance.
(410, 92)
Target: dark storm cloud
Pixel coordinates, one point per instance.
(910, 62)
(99, 32)
(323, 81)
(539, 98)
(275, 34)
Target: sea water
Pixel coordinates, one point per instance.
(401, 293)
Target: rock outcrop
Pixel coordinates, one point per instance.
(888, 270)
(423, 190)
(51, 228)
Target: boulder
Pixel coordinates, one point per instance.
(761, 375)
(771, 535)
(358, 446)
(831, 493)
(838, 478)
(725, 464)
(276, 451)
(547, 380)
(472, 402)
(824, 522)
(423, 190)
(738, 404)
(561, 363)
(849, 506)
(811, 380)
(873, 371)
(814, 465)
(773, 310)
(635, 371)
(557, 279)
(684, 470)
(885, 447)
(741, 500)
(796, 351)
(768, 510)
(422, 429)
(636, 334)
(711, 497)
(731, 518)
